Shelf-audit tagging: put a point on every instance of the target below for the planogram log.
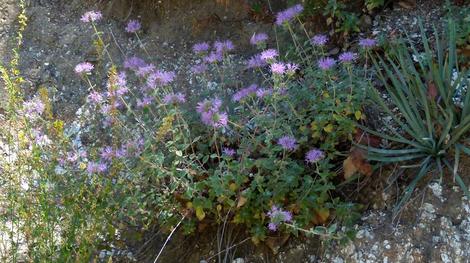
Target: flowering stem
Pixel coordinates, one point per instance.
(98, 34)
(142, 44)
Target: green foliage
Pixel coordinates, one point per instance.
(372, 4)
(432, 101)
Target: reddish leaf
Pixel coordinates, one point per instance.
(432, 91)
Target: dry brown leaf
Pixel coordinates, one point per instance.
(321, 215)
(349, 168)
(241, 201)
(356, 162)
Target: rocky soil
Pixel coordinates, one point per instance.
(435, 226)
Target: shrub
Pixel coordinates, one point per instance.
(261, 154)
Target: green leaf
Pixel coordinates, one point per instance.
(200, 214)
(410, 188)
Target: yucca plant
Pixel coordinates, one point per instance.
(431, 101)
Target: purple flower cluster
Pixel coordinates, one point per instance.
(347, 57)
(245, 92)
(199, 68)
(96, 168)
(319, 40)
(134, 63)
(223, 46)
(91, 16)
(261, 93)
(230, 152)
(33, 108)
(269, 55)
(145, 101)
(73, 157)
(314, 156)
(95, 97)
(288, 14)
(132, 148)
(213, 57)
(367, 43)
(256, 62)
(219, 49)
(258, 39)
(201, 48)
(291, 68)
(278, 68)
(117, 86)
(133, 26)
(174, 98)
(210, 113)
(278, 216)
(84, 67)
(145, 70)
(288, 143)
(160, 78)
(40, 138)
(326, 63)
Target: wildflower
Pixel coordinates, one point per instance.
(91, 16)
(160, 78)
(84, 67)
(291, 68)
(314, 156)
(278, 68)
(228, 151)
(121, 79)
(134, 63)
(269, 55)
(93, 167)
(209, 105)
(256, 62)
(245, 92)
(202, 47)
(95, 97)
(215, 119)
(225, 46)
(72, 157)
(199, 68)
(367, 42)
(133, 26)
(121, 153)
(288, 14)
(347, 57)
(258, 39)
(144, 102)
(34, 108)
(288, 143)
(278, 216)
(145, 70)
(319, 40)
(326, 63)
(213, 57)
(173, 98)
(40, 138)
(261, 93)
(107, 153)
